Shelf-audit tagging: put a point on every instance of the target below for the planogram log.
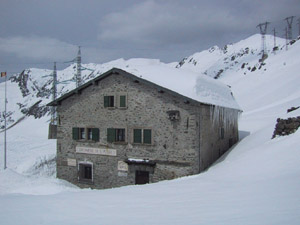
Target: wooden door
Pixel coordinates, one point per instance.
(141, 177)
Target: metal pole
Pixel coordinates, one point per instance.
(5, 99)
(286, 39)
(53, 119)
(78, 77)
(299, 25)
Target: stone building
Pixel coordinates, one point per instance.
(122, 129)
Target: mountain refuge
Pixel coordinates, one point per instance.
(125, 127)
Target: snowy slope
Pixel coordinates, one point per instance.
(257, 182)
(217, 61)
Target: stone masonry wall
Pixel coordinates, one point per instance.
(175, 143)
(213, 144)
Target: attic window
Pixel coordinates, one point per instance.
(186, 101)
(161, 91)
(136, 81)
(174, 115)
(109, 101)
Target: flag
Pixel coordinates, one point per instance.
(3, 74)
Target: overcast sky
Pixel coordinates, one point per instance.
(35, 33)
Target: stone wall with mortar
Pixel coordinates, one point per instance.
(175, 146)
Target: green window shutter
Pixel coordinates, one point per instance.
(147, 136)
(95, 134)
(137, 136)
(111, 134)
(106, 101)
(123, 101)
(75, 133)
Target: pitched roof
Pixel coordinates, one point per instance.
(192, 86)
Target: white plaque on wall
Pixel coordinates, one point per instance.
(71, 162)
(97, 151)
(122, 174)
(122, 166)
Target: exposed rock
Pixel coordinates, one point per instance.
(286, 126)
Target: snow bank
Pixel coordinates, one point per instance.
(257, 182)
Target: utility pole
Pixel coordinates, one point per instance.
(78, 76)
(299, 25)
(263, 31)
(274, 32)
(4, 74)
(286, 39)
(54, 94)
(289, 21)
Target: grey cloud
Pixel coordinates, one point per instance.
(37, 48)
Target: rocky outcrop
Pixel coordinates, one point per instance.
(286, 126)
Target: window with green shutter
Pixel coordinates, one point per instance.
(82, 135)
(105, 101)
(147, 136)
(137, 135)
(75, 133)
(122, 101)
(111, 135)
(120, 135)
(109, 101)
(95, 134)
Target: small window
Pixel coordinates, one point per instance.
(120, 135)
(142, 136)
(89, 134)
(81, 133)
(109, 101)
(115, 135)
(85, 172)
(93, 134)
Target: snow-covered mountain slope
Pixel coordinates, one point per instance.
(239, 57)
(254, 183)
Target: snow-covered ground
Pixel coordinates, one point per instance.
(256, 182)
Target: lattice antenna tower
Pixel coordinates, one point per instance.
(78, 75)
(286, 39)
(289, 21)
(54, 94)
(263, 30)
